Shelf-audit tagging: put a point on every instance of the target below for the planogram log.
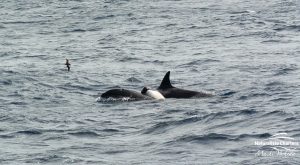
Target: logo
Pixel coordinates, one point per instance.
(278, 145)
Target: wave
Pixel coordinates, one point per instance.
(254, 95)
(262, 34)
(133, 79)
(115, 151)
(274, 83)
(77, 87)
(46, 159)
(110, 16)
(294, 28)
(162, 127)
(204, 138)
(30, 132)
(84, 134)
(273, 41)
(75, 31)
(241, 12)
(216, 137)
(18, 103)
(55, 138)
(104, 17)
(38, 98)
(281, 99)
(154, 62)
(129, 59)
(5, 82)
(227, 93)
(26, 22)
(285, 70)
(275, 87)
(290, 119)
(275, 113)
(198, 62)
(110, 130)
(6, 136)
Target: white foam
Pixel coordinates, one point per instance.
(110, 99)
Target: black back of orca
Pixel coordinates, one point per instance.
(123, 93)
(168, 91)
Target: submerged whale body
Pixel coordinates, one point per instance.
(124, 93)
(168, 91)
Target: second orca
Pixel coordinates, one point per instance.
(169, 91)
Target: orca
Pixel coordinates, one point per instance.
(152, 93)
(119, 94)
(169, 91)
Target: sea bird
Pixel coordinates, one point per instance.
(68, 64)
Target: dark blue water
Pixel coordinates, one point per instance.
(246, 52)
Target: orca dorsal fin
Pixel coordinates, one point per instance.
(165, 83)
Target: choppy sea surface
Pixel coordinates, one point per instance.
(246, 52)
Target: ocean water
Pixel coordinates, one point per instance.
(246, 52)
